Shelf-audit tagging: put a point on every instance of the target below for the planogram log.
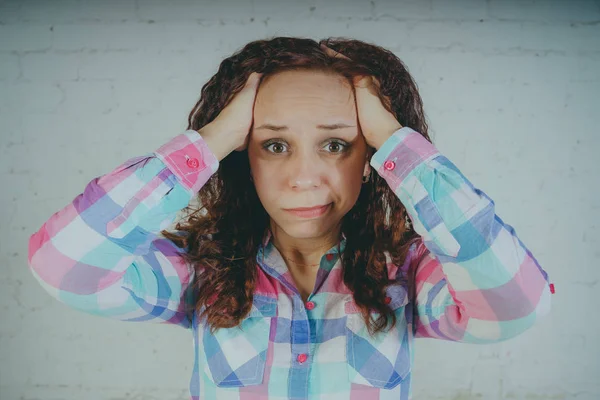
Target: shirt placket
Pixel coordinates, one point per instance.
(300, 328)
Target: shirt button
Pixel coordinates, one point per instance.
(389, 165)
(329, 257)
(193, 163)
(301, 358)
(387, 300)
(309, 305)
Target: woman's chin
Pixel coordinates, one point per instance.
(307, 229)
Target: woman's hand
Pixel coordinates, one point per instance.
(376, 122)
(229, 130)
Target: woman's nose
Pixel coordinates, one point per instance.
(305, 172)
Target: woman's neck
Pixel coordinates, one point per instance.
(303, 254)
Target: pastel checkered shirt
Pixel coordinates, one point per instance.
(475, 281)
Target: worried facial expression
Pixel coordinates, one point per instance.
(306, 150)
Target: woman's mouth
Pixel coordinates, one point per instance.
(309, 212)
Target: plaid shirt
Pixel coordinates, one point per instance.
(475, 280)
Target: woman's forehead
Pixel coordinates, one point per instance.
(318, 96)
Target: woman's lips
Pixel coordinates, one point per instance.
(309, 212)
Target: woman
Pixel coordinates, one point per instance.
(331, 233)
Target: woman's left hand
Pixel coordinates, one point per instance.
(376, 122)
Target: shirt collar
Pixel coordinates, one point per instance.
(269, 257)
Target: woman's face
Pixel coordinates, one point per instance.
(306, 150)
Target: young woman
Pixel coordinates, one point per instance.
(331, 232)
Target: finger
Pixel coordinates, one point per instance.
(364, 82)
(332, 53)
(376, 82)
(253, 80)
(369, 84)
(328, 51)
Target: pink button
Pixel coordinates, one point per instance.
(389, 165)
(193, 163)
(329, 257)
(301, 358)
(309, 305)
(387, 300)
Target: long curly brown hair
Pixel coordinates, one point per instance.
(221, 236)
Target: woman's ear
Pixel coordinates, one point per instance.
(367, 168)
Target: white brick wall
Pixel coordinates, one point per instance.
(511, 89)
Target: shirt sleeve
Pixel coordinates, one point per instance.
(103, 253)
(474, 280)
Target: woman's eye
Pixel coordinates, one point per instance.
(280, 147)
(275, 147)
(335, 147)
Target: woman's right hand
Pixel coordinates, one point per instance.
(229, 130)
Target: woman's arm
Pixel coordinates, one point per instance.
(103, 253)
(475, 280)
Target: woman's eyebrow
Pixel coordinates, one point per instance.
(328, 127)
(335, 126)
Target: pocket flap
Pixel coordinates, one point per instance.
(396, 292)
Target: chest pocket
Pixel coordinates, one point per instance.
(237, 356)
(384, 359)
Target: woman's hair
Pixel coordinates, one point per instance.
(221, 236)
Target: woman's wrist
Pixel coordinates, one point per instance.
(216, 140)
